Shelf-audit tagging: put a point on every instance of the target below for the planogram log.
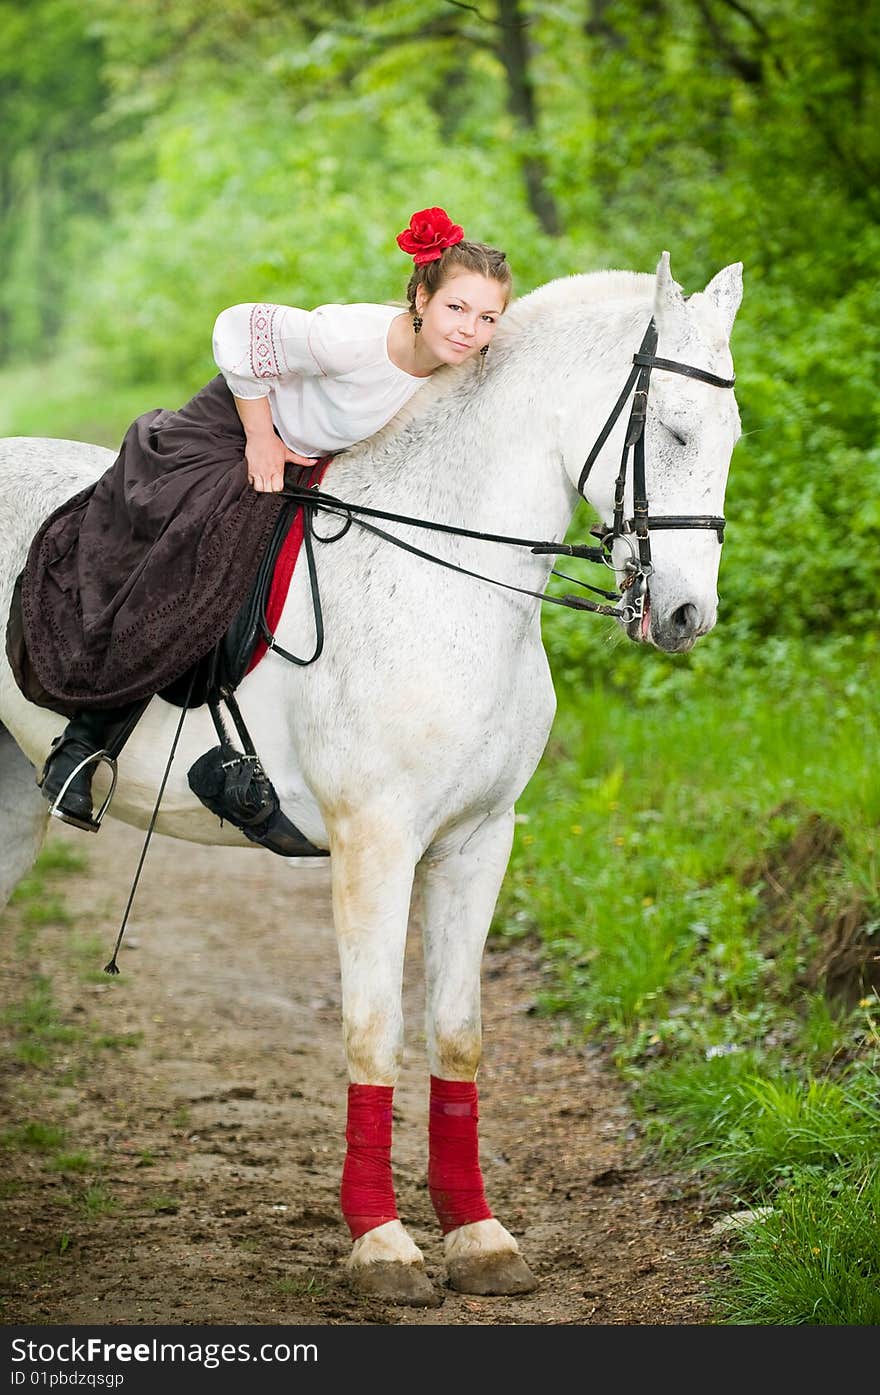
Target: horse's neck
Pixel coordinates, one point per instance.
(491, 459)
(497, 479)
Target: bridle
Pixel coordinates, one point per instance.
(637, 570)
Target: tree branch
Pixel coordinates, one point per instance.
(487, 19)
(859, 176)
(751, 70)
(513, 52)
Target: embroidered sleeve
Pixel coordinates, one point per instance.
(258, 345)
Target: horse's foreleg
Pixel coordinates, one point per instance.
(372, 867)
(456, 894)
(24, 815)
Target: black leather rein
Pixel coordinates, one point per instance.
(635, 577)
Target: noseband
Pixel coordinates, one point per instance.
(638, 569)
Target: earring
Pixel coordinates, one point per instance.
(484, 350)
(483, 353)
(417, 323)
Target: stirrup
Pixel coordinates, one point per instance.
(88, 825)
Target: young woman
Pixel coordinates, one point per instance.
(137, 577)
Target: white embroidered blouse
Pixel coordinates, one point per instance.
(326, 372)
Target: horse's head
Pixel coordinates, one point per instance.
(664, 519)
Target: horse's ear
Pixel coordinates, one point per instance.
(725, 292)
(668, 297)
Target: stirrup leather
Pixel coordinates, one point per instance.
(89, 825)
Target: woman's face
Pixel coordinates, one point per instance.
(460, 317)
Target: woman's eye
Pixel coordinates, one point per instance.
(455, 307)
(489, 319)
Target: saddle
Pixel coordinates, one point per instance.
(232, 782)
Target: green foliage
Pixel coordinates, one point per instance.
(165, 161)
(814, 1259)
(52, 165)
(34, 1022)
(72, 1162)
(749, 1131)
(42, 1137)
(657, 858)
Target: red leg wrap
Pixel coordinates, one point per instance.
(454, 1178)
(367, 1192)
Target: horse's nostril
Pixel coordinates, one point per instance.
(684, 619)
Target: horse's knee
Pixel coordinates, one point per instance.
(373, 1045)
(455, 1050)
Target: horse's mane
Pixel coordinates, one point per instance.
(574, 294)
(561, 303)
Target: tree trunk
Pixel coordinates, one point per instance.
(513, 52)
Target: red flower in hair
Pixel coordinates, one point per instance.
(429, 233)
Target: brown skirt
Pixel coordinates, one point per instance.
(138, 576)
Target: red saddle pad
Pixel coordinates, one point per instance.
(283, 573)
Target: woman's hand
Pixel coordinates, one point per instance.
(266, 458)
(265, 452)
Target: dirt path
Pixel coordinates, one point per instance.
(217, 1135)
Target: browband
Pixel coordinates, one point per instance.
(649, 361)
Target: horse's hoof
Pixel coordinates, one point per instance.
(405, 1284)
(500, 1274)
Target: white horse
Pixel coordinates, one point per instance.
(405, 747)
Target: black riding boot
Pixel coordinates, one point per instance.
(84, 737)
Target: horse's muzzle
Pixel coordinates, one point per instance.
(678, 631)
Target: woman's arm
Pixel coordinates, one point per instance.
(255, 347)
(265, 452)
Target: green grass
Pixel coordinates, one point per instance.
(745, 1127)
(58, 858)
(38, 1135)
(95, 1201)
(37, 1031)
(637, 863)
(303, 1288)
(66, 400)
(117, 1041)
(72, 1162)
(702, 869)
(164, 1205)
(40, 1039)
(814, 1259)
